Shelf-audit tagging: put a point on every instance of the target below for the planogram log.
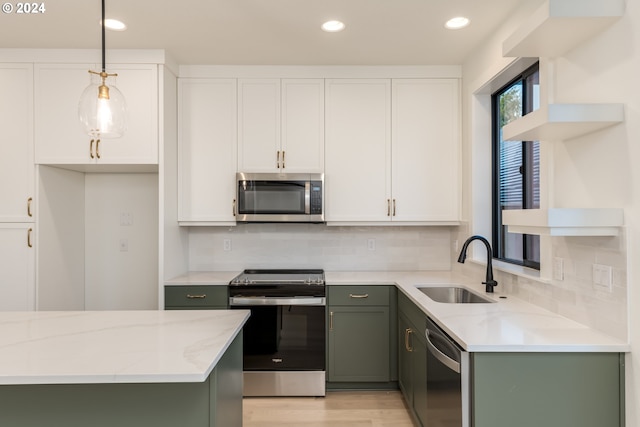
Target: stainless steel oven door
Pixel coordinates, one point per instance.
(284, 346)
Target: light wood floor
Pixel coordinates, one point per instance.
(337, 409)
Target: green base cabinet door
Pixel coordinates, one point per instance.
(361, 340)
(412, 357)
(359, 344)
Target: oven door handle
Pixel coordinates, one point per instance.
(247, 301)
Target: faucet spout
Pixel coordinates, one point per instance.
(489, 282)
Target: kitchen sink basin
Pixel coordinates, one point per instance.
(453, 295)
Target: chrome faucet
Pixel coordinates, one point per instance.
(489, 282)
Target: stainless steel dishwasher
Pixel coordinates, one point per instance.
(447, 380)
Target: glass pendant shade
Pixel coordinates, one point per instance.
(102, 109)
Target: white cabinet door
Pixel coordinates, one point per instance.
(281, 125)
(17, 267)
(426, 147)
(258, 125)
(59, 136)
(358, 150)
(207, 149)
(17, 168)
(302, 148)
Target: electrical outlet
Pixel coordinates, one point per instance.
(124, 245)
(371, 244)
(602, 276)
(455, 246)
(558, 269)
(226, 245)
(126, 219)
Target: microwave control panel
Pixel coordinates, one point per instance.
(316, 198)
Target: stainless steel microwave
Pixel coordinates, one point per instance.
(266, 197)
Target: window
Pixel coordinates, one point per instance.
(516, 169)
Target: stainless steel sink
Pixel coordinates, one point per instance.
(453, 295)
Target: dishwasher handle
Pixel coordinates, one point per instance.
(450, 363)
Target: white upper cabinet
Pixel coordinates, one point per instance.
(302, 125)
(59, 136)
(392, 151)
(358, 150)
(425, 155)
(17, 267)
(207, 142)
(17, 169)
(280, 125)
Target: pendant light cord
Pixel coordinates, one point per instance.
(103, 42)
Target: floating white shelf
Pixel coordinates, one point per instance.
(559, 25)
(564, 222)
(557, 122)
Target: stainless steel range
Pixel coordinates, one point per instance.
(284, 339)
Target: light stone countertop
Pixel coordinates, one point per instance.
(508, 325)
(84, 347)
(203, 278)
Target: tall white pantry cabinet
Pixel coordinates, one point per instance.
(96, 206)
(17, 188)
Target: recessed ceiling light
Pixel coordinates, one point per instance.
(457, 23)
(114, 24)
(333, 26)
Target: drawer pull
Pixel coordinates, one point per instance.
(203, 296)
(358, 295)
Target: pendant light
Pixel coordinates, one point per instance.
(102, 108)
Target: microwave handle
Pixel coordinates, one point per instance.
(307, 197)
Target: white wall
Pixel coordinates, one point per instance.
(597, 170)
(117, 279)
(319, 246)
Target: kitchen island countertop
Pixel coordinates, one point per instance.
(101, 347)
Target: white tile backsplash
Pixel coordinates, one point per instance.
(576, 297)
(320, 246)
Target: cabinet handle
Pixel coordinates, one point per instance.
(98, 148)
(407, 345)
(358, 295)
(331, 320)
(394, 207)
(233, 207)
(29, 200)
(91, 149)
(388, 207)
(29, 242)
(203, 296)
(283, 159)
(278, 159)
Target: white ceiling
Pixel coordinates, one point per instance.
(265, 32)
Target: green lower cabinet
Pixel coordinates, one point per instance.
(359, 344)
(361, 337)
(547, 389)
(196, 297)
(412, 363)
